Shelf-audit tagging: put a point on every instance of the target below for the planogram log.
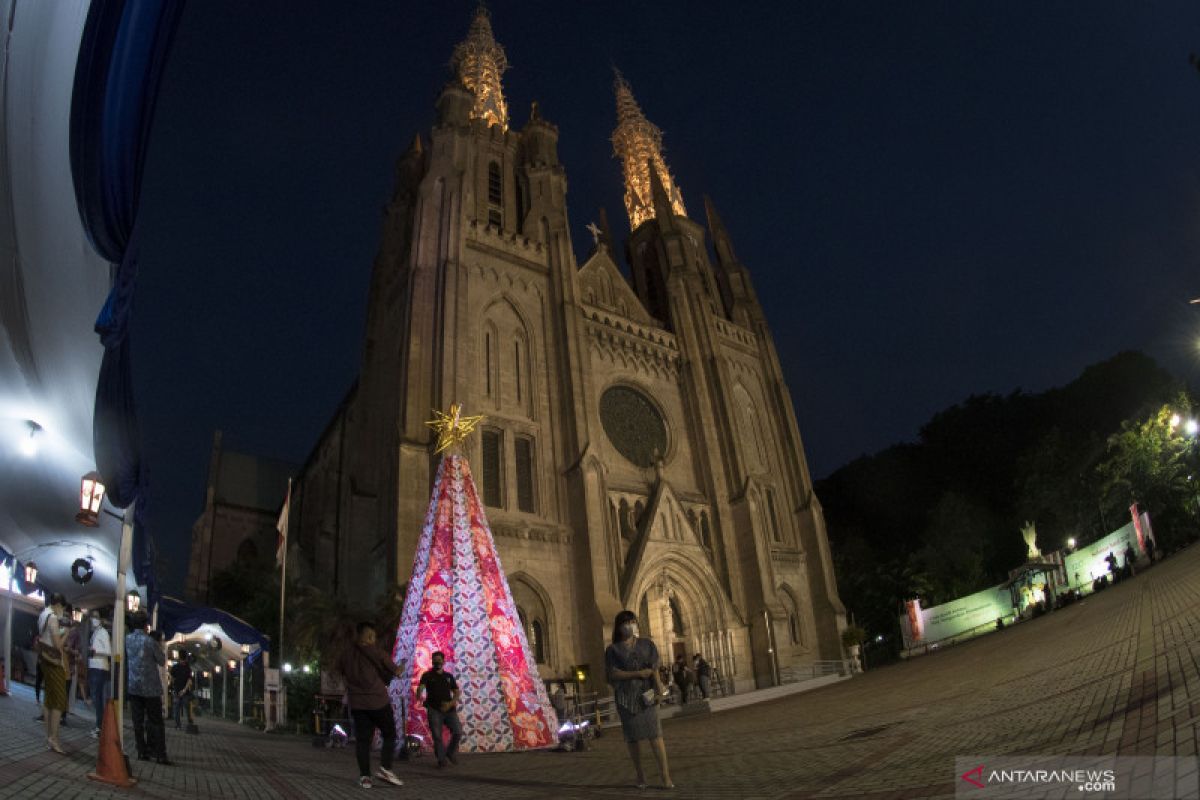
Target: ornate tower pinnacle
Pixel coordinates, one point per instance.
(479, 62)
(638, 143)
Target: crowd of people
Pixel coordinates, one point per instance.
(74, 661)
(78, 657)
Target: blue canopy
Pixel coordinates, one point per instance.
(178, 617)
(121, 60)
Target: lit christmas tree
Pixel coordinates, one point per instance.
(458, 602)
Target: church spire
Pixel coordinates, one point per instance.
(479, 62)
(638, 143)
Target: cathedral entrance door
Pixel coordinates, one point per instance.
(678, 649)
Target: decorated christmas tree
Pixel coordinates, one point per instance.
(459, 603)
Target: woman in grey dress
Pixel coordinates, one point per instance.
(631, 667)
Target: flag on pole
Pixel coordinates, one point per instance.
(282, 527)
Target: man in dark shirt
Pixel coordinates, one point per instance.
(181, 688)
(368, 671)
(441, 707)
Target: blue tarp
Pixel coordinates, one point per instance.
(176, 616)
(122, 54)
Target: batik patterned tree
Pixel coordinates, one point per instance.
(459, 603)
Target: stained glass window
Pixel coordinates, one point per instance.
(633, 425)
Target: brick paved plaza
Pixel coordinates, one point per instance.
(1115, 674)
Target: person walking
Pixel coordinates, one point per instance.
(367, 672)
(182, 687)
(99, 668)
(441, 695)
(631, 666)
(144, 657)
(52, 665)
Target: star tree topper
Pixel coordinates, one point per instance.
(452, 428)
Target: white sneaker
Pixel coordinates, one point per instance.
(389, 776)
(364, 782)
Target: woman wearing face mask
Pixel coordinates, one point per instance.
(631, 667)
(51, 659)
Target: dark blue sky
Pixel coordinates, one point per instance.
(935, 199)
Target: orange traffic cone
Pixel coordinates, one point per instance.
(110, 761)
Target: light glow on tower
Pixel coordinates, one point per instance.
(479, 62)
(638, 143)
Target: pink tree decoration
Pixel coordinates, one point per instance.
(458, 602)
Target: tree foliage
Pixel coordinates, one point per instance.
(940, 517)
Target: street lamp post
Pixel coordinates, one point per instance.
(220, 672)
(242, 684)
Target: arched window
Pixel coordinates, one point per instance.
(536, 617)
(705, 533)
(536, 643)
(493, 478)
(524, 464)
(517, 364)
(772, 518)
(489, 361)
(495, 196)
(794, 628)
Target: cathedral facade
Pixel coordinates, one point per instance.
(640, 448)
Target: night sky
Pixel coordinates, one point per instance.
(934, 199)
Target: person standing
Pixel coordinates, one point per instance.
(51, 663)
(98, 668)
(703, 674)
(441, 707)
(73, 648)
(367, 672)
(630, 666)
(182, 686)
(145, 659)
(683, 677)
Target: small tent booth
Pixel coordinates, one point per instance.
(223, 650)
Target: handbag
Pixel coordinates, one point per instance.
(649, 697)
(53, 655)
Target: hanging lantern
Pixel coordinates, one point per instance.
(133, 601)
(91, 495)
(30, 573)
(81, 571)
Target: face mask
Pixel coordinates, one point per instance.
(630, 629)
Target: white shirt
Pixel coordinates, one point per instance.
(48, 626)
(102, 647)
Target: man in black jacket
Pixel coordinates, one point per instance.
(367, 671)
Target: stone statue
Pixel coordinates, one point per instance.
(1029, 531)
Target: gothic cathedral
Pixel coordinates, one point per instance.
(640, 449)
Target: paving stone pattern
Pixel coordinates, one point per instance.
(1118, 673)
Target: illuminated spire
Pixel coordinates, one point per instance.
(479, 62)
(638, 143)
